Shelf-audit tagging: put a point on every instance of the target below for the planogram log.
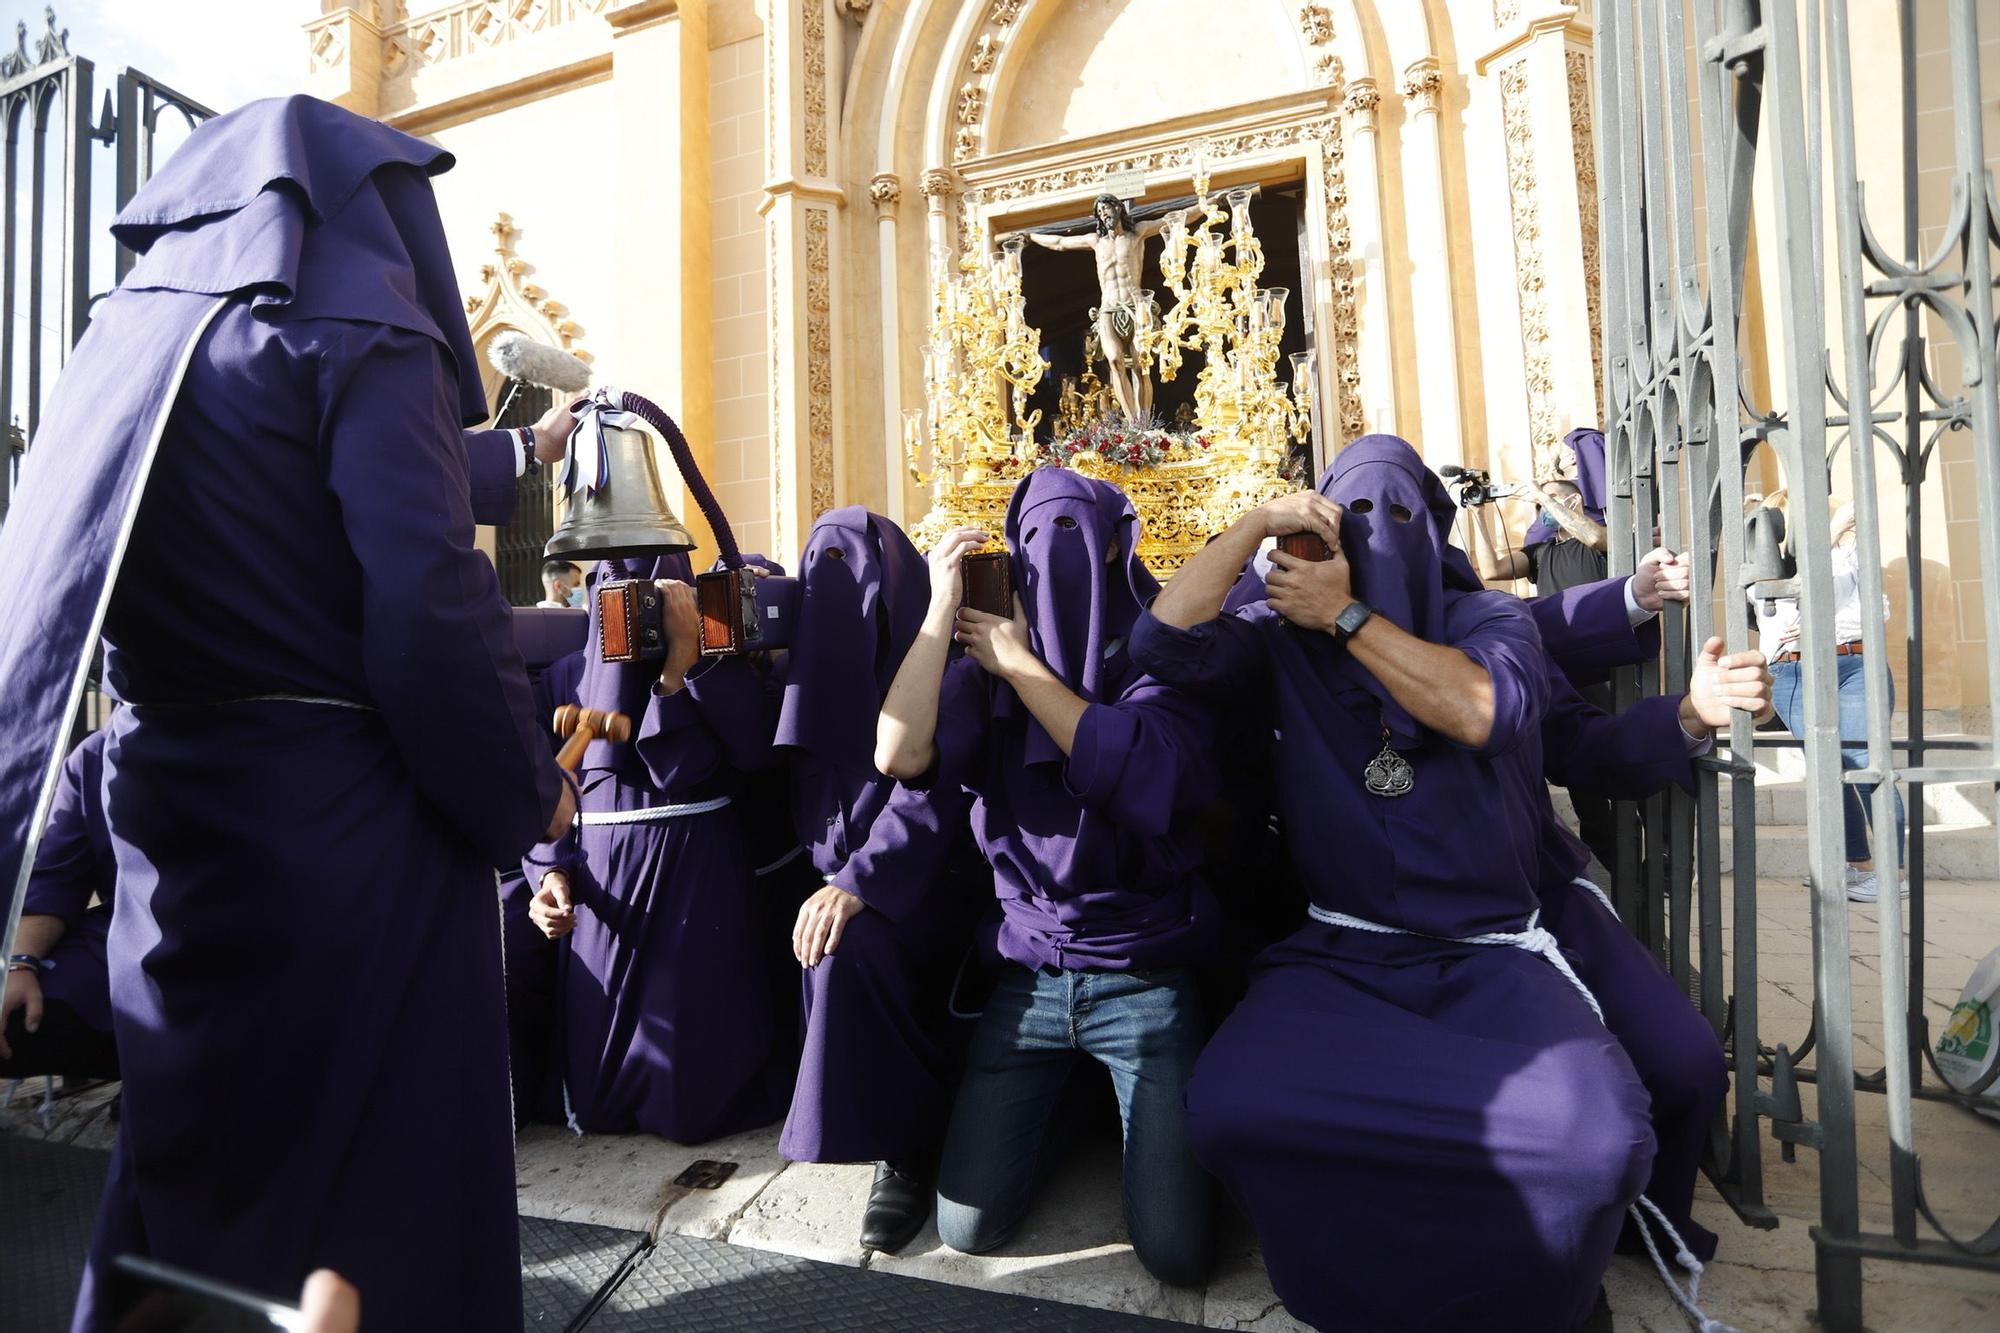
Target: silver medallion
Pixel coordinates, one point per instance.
(1389, 774)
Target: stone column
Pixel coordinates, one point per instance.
(1364, 219)
(659, 222)
(887, 192)
(344, 55)
(802, 206)
(1439, 426)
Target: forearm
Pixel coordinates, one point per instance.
(1493, 568)
(1576, 525)
(1196, 593)
(1058, 710)
(906, 731)
(38, 935)
(1439, 686)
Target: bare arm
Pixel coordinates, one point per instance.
(1441, 687)
(1575, 524)
(1154, 226)
(1002, 649)
(1081, 241)
(1493, 566)
(1197, 591)
(906, 731)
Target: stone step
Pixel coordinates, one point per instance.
(1954, 852)
(1787, 763)
(1958, 804)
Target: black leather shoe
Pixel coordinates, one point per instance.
(899, 1203)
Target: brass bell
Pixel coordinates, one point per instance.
(1769, 571)
(625, 511)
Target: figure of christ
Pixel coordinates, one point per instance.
(1120, 247)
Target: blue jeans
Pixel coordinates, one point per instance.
(1145, 1028)
(1858, 808)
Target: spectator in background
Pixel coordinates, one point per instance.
(1778, 635)
(562, 584)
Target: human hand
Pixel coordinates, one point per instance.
(551, 909)
(329, 1304)
(1842, 521)
(822, 919)
(1718, 686)
(1001, 647)
(681, 619)
(1661, 577)
(552, 433)
(1309, 593)
(1301, 511)
(947, 561)
(24, 992)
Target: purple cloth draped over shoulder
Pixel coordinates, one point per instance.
(1588, 633)
(1094, 860)
(873, 1079)
(1465, 1090)
(665, 1019)
(1586, 443)
(344, 739)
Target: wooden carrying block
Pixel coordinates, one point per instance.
(1305, 546)
(743, 613)
(989, 583)
(631, 626)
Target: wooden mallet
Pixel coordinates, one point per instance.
(581, 726)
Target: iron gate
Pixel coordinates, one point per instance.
(1862, 343)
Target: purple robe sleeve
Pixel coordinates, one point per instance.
(493, 455)
(74, 859)
(1587, 632)
(1496, 631)
(1215, 658)
(437, 644)
(907, 847)
(739, 705)
(1626, 756)
(1143, 760)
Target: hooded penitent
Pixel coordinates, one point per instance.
(1082, 584)
(229, 213)
(1586, 444)
(863, 592)
(284, 377)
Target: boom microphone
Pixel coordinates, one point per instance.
(1448, 470)
(519, 357)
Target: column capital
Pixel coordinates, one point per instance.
(885, 190)
(1423, 85)
(1362, 99)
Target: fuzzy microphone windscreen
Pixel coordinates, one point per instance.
(519, 357)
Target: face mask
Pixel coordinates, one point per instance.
(576, 597)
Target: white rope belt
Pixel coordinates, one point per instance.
(652, 814)
(1599, 894)
(1536, 940)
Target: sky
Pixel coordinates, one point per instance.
(219, 52)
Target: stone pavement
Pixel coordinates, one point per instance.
(1073, 1250)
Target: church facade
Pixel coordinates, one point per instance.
(742, 207)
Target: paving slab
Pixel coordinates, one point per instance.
(711, 1213)
(810, 1209)
(606, 1180)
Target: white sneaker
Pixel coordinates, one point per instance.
(1864, 887)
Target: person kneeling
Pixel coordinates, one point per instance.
(1082, 769)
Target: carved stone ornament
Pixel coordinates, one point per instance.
(327, 50)
(937, 183)
(813, 26)
(1423, 83)
(1006, 11)
(971, 104)
(1328, 68)
(1529, 264)
(508, 300)
(985, 52)
(854, 9)
(1316, 22)
(1583, 142)
(965, 143)
(1362, 99)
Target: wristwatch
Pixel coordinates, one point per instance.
(1351, 618)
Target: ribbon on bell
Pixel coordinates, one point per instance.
(587, 465)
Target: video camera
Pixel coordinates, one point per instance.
(1475, 486)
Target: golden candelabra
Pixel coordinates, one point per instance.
(983, 360)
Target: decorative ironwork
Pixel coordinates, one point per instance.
(1848, 336)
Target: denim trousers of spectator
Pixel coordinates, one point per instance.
(1145, 1029)
(1858, 809)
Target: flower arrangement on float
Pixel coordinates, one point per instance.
(1127, 444)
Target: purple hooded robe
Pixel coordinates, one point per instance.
(664, 1005)
(314, 774)
(874, 1078)
(1425, 1133)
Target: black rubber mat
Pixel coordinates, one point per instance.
(706, 1286)
(565, 1267)
(48, 1202)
